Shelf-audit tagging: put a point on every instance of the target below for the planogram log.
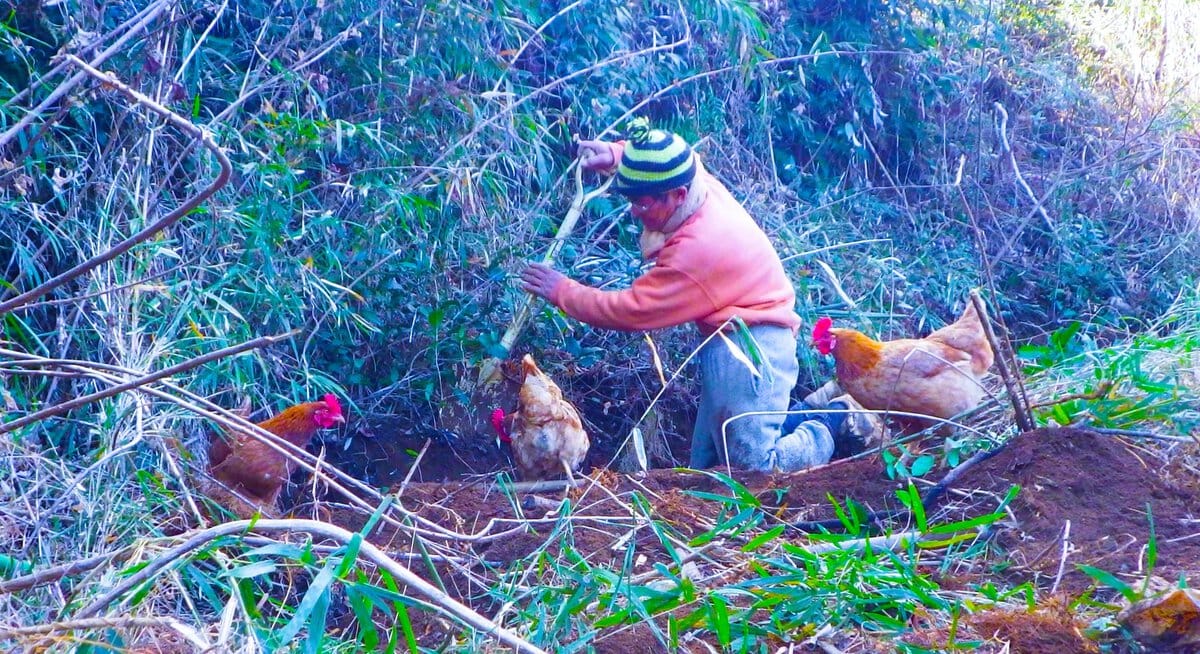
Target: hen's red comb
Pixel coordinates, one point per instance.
(821, 329)
(498, 425)
(331, 401)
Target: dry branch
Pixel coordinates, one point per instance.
(1016, 390)
(195, 362)
(443, 602)
(50, 575)
(183, 630)
(1002, 130)
(171, 218)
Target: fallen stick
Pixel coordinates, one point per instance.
(1062, 561)
(541, 486)
(439, 599)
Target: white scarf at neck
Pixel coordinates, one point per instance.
(651, 242)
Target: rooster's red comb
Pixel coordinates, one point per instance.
(331, 401)
(821, 329)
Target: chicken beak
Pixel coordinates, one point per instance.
(339, 419)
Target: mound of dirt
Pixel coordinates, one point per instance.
(1105, 487)
(1108, 490)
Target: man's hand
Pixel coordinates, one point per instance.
(540, 280)
(595, 155)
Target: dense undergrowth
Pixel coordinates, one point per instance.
(395, 163)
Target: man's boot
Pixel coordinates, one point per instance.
(860, 430)
(820, 398)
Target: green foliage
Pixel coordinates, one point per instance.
(396, 163)
(792, 588)
(1120, 387)
(906, 463)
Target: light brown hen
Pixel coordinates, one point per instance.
(938, 375)
(545, 432)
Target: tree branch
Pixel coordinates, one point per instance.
(166, 221)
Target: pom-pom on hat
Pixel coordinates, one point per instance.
(654, 162)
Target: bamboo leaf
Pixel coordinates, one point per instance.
(739, 354)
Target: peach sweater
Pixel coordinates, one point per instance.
(717, 265)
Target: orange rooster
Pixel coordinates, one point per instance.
(256, 472)
(546, 433)
(938, 375)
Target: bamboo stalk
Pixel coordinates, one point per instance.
(489, 370)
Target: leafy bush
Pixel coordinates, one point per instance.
(396, 163)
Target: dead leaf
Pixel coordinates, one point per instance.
(1170, 620)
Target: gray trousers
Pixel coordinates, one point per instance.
(729, 388)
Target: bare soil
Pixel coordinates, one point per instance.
(1106, 488)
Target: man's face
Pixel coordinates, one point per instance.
(655, 210)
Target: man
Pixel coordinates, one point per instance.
(711, 263)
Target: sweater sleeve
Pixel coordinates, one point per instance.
(663, 297)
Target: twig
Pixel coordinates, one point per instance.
(1016, 389)
(546, 485)
(835, 246)
(1062, 561)
(166, 221)
(1135, 433)
(413, 469)
(52, 574)
(262, 541)
(195, 362)
(188, 633)
(1002, 130)
(441, 601)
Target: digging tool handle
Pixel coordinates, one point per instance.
(489, 371)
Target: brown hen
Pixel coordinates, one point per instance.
(937, 376)
(545, 432)
(256, 472)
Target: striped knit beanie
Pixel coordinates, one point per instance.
(654, 161)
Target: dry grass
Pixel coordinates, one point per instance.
(337, 221)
